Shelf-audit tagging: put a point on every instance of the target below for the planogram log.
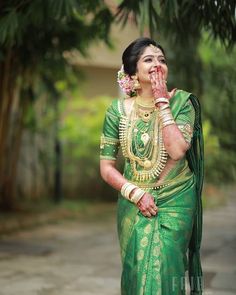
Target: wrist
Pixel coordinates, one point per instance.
(160, 104)
(132, 192)
(161, 101)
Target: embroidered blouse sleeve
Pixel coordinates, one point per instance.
(185, 121)
(109, 144)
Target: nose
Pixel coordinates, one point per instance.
(156, 63)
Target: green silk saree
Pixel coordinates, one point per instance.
(156, 252)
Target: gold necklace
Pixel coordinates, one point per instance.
(145, 109)
(148, 103)
(153, 162)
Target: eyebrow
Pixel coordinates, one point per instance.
(150, 55)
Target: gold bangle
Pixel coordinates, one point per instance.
(165, 112)
(167, 123)
(138, 194)
(126, 189)
(164, 107)
(123, 188)
(166, 118)
(161, 99)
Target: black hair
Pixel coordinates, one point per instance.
(133, 52)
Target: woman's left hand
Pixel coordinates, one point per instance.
(158, 82)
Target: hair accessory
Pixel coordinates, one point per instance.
(154, 48)
(126, 83)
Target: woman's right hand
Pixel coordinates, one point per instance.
(147, 206)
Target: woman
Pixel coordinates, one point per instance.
(159, 205)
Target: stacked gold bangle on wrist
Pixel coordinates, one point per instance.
(165, 112)
(161, 100)
(137, 195)
(126, 190)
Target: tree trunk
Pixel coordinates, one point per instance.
(11, 127)
(58, 154)
(7, 86)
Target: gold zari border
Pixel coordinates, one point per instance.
(108, 140)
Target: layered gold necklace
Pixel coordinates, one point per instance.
(141, 141)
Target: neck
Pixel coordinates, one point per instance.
(145, 98)
(146, 93)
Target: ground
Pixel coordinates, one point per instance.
(81, 256)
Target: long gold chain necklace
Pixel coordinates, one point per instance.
(142, 142)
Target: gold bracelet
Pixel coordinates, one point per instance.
(138, 194)
(161, 99)
(165, 112)
(169, 122)
(164, 107)
(123, 188)
(126, 189)
(167, 118)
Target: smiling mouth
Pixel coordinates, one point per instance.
(157, 69)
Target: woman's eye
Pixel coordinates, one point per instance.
(163, 61)
(148, 60)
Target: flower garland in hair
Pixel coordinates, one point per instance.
(126, 83)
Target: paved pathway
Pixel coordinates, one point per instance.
(82, 257)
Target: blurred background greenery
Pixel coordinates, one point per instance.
(58, 64)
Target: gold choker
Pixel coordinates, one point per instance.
(148, 103)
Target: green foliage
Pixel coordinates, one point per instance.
(212, 152)
(80, 132)
(45, 20)
(184, 19)
(39, 32)
(219, 100)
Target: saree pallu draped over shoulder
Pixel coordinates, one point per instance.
(156, 252)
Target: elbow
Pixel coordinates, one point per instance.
(178, 154)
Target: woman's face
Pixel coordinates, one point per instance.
(151, 58)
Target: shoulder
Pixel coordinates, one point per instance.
(180, 97)
(115, 108)
(182, 102)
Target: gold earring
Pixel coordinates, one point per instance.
(136, 82)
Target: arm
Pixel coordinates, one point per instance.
(111, 175)
(108, 152)
(174, 141)
(115, 179)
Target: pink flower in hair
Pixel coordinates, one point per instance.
(125, 82)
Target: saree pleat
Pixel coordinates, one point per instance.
(153, 252)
